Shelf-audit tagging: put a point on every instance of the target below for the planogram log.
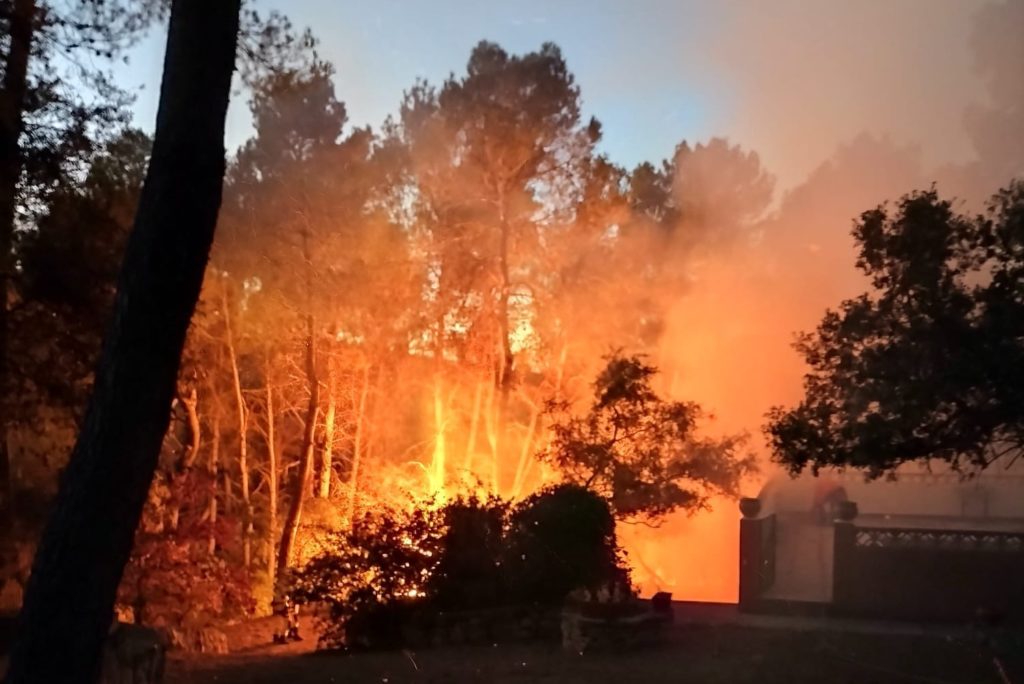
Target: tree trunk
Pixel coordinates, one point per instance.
(474, 427)
(12, 107)
(191, 404)
(505, 290)
(70, 596)
(243, 429)
(522, 468)
(323, 489)
(357, 447)
(188, 454)
(214, 468)
(302, 478)
(491, 423)
(271, 484)
(437, 461)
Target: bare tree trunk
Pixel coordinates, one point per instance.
(87, 541)
(437, 463)
(357, 447)
(229, 492)
(214, 467)
(21, 23)
(243, 430)
(271, 484)
(191, 404)
(491, 423)
(323, 489)
(474, 427)
(504, 292)
(302, 477)
(188, 455)
(526, 452)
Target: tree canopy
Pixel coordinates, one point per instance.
(929, 364)
(641, 452)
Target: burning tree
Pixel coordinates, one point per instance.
(641, 452)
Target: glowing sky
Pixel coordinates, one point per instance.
(790, 79)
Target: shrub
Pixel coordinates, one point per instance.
(561, 539)
(172, 579)
(396, 569)
(383, 562)
(468, 574)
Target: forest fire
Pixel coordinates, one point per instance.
(479, 371)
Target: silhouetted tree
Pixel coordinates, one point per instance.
(641, 452)
(69, 263)
(494, 154)
(82, 555)
(47, 125)
(930, 363)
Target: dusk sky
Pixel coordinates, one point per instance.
(789, 79)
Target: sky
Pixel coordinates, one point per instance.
(789, 79)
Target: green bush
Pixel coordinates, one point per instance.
(399, 569)
(468, 574)
(561, 539)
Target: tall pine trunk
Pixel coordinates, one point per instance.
(357, 447)
(70, 597)
(305, 472)
(474, 427)
(243, 429)
(214, 469)
(190, 402)
(271, 485)
(323, 489)
(12, 107)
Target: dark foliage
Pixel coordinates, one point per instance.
(468, 573)
(173, 579)
(639, 451)
(930, 364)
(561, 539)
(383, 562)
(395, 569)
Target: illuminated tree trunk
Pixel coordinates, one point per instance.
(214, 467)
(474, 426)
(229, 492)
(526, 452)
(69, 601)
(21, 26)
(189, 453)
(323, 490)
(505, 363)
(437, 462)
(243, 429)
(504, 291)
(302, 477)
(191, 404)
(491, 423)
(357, 446)
(271, 483)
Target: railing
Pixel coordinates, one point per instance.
(940, 540)
(923, 574)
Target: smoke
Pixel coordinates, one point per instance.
(804, 76)
(921, 92)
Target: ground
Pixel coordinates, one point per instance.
(709, 644)
(707, 654)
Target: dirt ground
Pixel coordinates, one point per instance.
(705, 654)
